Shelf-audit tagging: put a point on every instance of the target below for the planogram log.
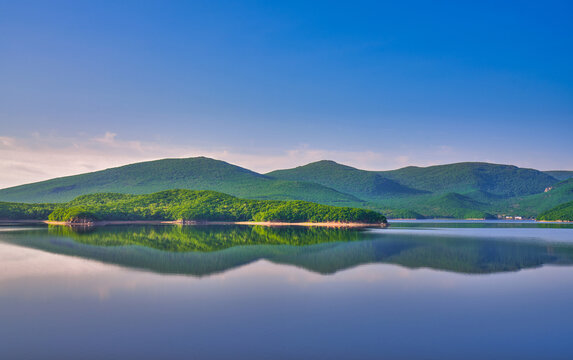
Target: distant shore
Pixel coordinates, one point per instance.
(260, 223)
(191, 222)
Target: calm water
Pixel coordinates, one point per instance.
(422, 290)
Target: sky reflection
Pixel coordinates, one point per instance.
(70, 307)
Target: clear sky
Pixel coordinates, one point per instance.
(85, 85)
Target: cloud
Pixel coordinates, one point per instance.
(108, 138)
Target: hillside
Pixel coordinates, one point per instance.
(500, 180)
(462, 190)
(409, 192)
(366, 185)
(480, 180)
(563, 212)
(193, 173)
(454, 205)
(538, 203)
(189, 205)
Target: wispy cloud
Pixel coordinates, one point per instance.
(107, 138)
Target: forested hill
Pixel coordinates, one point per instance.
(186, 205)
(198, 173)
(361, 183)
(461, 190)
(496, 179)
(463, 178)
(563, 212)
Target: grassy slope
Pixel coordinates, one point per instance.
(191, 205)
(448, 205)
(535, 204)
(454, 205)
(563, 212)
(494, 189)
(367, 185)
(193, 173)
(464, 178)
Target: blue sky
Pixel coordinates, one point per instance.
(377, 85)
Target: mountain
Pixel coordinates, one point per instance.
(469, 189)
(198, 173)
(481, 179)
(367, 185)
(500, 180)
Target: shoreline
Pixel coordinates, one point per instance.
(195, 223)
(259, 223)
(554, 221)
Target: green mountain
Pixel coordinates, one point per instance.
(193, 173)
(454, 190)
(462, 190)
(367, 185)
(563, 212)
(463, 178)
(482, 180)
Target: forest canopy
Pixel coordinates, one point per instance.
(186, 205)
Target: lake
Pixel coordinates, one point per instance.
(417, 290)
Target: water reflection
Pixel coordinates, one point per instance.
(205, 250)
(55, 303)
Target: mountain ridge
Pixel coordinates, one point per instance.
(361, 183)
(198, 173)
(483, 188)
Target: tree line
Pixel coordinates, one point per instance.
(186, 205)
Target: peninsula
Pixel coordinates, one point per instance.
(189, 207)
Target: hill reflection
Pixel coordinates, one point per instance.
(205, 250)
